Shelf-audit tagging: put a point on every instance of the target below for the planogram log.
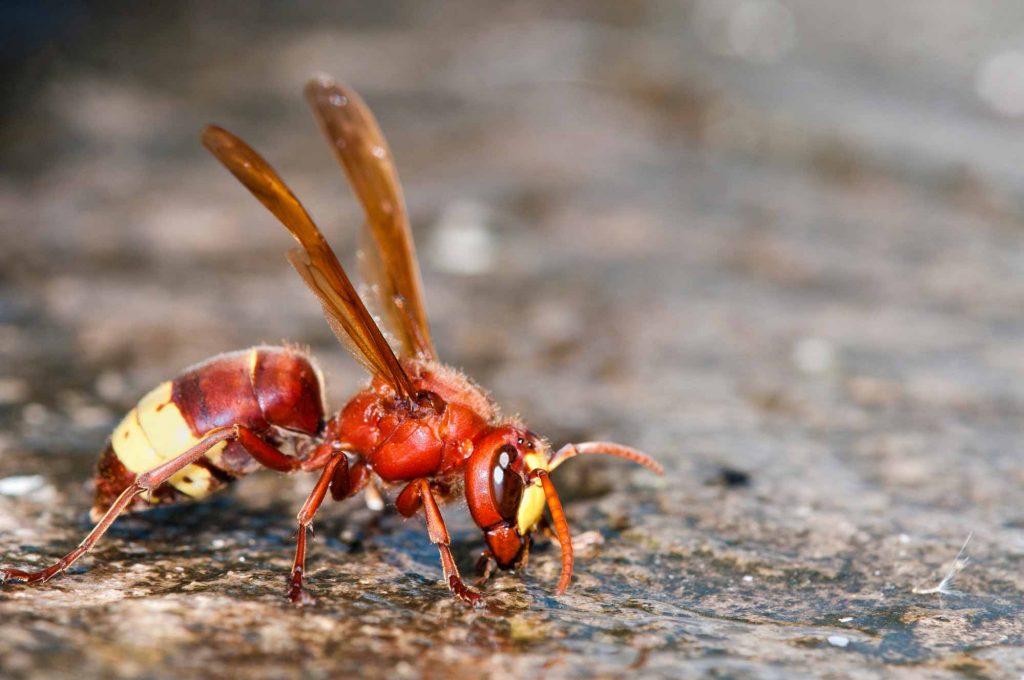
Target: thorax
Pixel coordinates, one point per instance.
(401, 442)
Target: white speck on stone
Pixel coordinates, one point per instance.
(463, 241)
(587, 539)
(838, 640)
(111, 386)
(91, 416)
(904, 539)
(35, 414)
(21, 485)
(241, 558)
(1000, 83)
(218, 543)
(748, 579)
(759, 31)
(814, 355)
(846, 619)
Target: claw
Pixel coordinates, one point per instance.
(300, 597)
(464, 592)
(14, 576)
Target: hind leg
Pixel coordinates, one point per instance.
(343, 481)
(147, 481)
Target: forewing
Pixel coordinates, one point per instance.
(315, 262)
(360, 147)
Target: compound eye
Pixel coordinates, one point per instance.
(506, 483)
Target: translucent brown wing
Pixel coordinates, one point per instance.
(315, 261)
(360, 147)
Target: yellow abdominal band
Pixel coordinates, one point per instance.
(155, 432)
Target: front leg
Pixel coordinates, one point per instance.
(484, 567)
(418, 493)
(486, 564)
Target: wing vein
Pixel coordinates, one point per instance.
(315, 262)
(360, 148)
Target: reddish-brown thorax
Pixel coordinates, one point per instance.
(452, 435)
(433, 437)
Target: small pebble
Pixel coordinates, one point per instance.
(91, 416)
(13, 390)
(730, 478)
(34, 414)
(748, 579)
(587, 539)
(838, 640)
(1000, 84)
(463, 240)
(111, 386)
(813, 355)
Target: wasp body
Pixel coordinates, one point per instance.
(420, 426)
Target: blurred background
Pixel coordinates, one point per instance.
(775, 243)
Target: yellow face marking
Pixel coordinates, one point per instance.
(531, 507)
(155, 432)
(534, 461)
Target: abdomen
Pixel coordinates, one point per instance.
(266, 389)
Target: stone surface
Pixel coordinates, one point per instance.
(776, 245)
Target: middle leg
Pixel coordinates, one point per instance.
(419, 493)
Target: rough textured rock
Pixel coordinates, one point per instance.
(778, 246)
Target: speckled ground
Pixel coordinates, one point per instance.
(778, 245)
